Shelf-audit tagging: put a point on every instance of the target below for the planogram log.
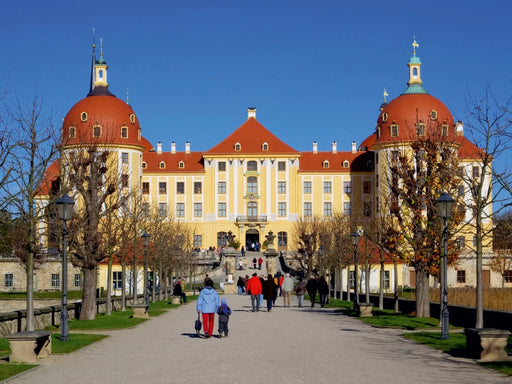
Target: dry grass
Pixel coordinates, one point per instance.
(494, 298)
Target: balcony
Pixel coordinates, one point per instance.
(251, 219)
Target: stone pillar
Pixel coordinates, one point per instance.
(271, 255)
(229, 254)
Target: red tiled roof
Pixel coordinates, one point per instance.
(251, 136)
(361, 161)
(193, 162)
(468, 150)
(51, 174)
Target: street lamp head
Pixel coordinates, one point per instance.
(355, 238)
(444, 205)
(65, 207)
(145, 238)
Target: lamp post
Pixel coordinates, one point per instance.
(65, 209)
(444, 210)
(145, 241)
(355, 241)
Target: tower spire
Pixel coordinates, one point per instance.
(414, 83)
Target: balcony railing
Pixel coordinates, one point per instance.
(251, 219)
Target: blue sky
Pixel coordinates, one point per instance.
(315, 70)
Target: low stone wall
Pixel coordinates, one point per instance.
(15, 321)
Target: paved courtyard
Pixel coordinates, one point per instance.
(287, 345)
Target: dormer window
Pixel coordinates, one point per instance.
(96, 131)
(325, 164)
(378, 132)
(124, 132)
(132, 118)
(162, 165)
(72, 132)
(420, 128)
(384, 117)
(83, 117)
(345, 164)
(433, 114)
(139, 134)
(238, 147)
(144, 165)
(444, 130)
(181, 164)
(264, 146)
(393, 130)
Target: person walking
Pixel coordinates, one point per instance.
(269, 292)
(312, 287)
(260, 261)
(241, 285)
(300, 290)
(224, 312)
(254, 289)
(254, 262)
(207, 303)
(287, 288)
(323, 290)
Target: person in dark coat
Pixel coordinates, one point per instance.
(312, 287)
(269, 292)
(178, 291)
(323, 290)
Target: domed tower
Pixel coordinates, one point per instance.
(103, 123)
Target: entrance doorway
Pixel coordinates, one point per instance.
(252, 240)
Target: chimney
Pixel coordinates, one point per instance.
(459, 128)
(187, 147)
(251, 112)
(354, 148)
(334, 148)
(173, 148)
(159, 148)
(315, 147)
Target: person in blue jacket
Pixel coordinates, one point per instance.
(207, 303)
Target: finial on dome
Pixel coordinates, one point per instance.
(127, 98)
(385, 95)
(414, 46)
(101, 46)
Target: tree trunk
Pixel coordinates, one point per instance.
(367, 270)
(123, 285)
(381, 285)
(30, 291)
(109, 286)
(479, 282)
(395, 285)
(88, 311)
(422, 292)
(348, 282)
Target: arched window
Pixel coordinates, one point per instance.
(238, 147)
(325, 164)
(83, 117)
(181, 165)
(345, 164)
(252, 184)
(252, 165)
(252, 210)
(264, 147)
(100, 73)
(162, 165)
(132, 118)
(222, 239)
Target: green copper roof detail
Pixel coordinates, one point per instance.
(414, 88)
(414, 60)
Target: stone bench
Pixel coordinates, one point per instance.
(487, 344)
(175, 299)
(140, 311)
(27, 347)
(365, 310)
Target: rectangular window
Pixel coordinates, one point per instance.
(327, 187)
(252, 165)
(474, 241)
(328, 209)
(460, 172)
(180, 210)
(252, 184)
(367, 208)
(308, 212)
(124, 157)
(307, 187)
(347, 208)
(420, 128)
(145, 209)
(461, 243)
(386, 280)
(281, 165)
(117, 281)
(124, 180)
(351, 279)
(197, 187)
(162, 209)
(96, 131)
(367, 187)
(222, 209)
(145, 188)
(460, 190)
(198, 210)
(222, 166)
(222, 188)
(281, 209)
(282, 239)
(78, 280)
(180, 187)
(444, 130)
(461, 277)
(162, 187)
(8, 280)
(394, 130)
(476, 172)
(281, 187)
(55, 280)
(198, 240)
(347, 187)
(507, 276)
(395, 156)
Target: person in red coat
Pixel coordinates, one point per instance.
(254, 289)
